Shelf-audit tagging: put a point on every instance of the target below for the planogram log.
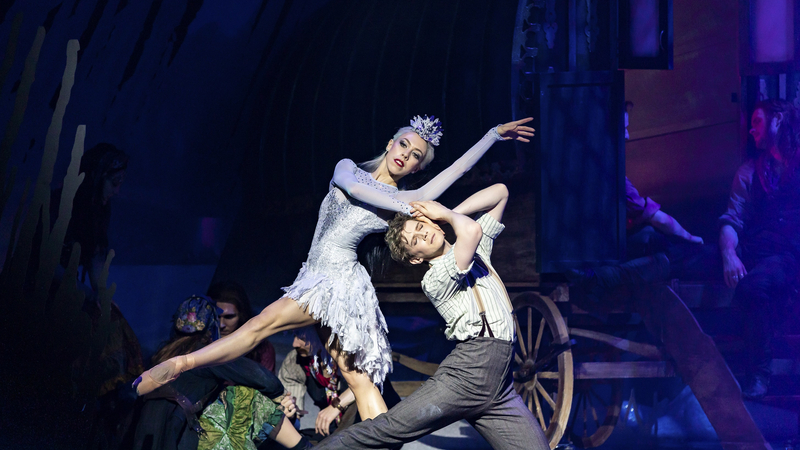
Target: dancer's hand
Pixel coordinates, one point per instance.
(421, 217)
(289, 404)
(515, 130)
(694, 239)
(325, 418)
(432, 210)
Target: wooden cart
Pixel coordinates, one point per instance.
(575, 391)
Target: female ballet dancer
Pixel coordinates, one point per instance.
(332, 287)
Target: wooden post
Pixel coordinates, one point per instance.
(701, 366)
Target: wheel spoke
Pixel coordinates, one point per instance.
(594, 416)
(530, 327)
(518, 358)
(548, 375)
(539, 413)
(599, 399)
(519, 335)
(538, 340)
(545, 395)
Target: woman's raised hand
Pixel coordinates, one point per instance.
(431, 210)
(516, 130)
(423, 218)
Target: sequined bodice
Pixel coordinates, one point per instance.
(343, 222)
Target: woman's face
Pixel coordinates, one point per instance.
(111, 185)
(229, 319)
(405, 154)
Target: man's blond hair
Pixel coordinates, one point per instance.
(395, 240)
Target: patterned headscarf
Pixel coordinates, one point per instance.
(196, 314)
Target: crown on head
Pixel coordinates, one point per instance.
(429, 128)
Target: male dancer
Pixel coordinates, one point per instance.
(474, 381)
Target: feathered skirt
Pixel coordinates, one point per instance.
(341, 296)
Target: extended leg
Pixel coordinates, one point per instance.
(462, 387)
(761, 295)
(284, 314)
(510, 425)
(430, 408)
(368, 398)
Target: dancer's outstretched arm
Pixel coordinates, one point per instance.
(434, 188)
(344, 178)
(344, 175)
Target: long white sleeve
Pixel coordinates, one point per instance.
(345, 178)
(434, 188)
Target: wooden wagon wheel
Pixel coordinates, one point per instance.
(543, 345)
(595, 411)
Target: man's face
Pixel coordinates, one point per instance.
(422, 241)
(303, 347)
(229, 319)
(763, 131)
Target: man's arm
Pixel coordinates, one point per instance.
(733, 268)
(331, 413)
(732, 223)
(492, 200)
(667, 224)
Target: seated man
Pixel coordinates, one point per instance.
(760, 234)
(474, 381)
(759, 241)
(308, 368)
(650, 230)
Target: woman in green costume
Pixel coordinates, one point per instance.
(251, 409)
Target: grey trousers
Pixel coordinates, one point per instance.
(472, 383)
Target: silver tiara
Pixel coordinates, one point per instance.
(429, 128)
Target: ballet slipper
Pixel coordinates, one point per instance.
(162, 374)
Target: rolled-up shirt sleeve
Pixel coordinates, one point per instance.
(491, 229)
(442, 280)
(638, 209)
(740, 195)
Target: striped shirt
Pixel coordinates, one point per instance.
(293, 378)
(451, 290)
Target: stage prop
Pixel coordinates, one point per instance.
(570, 83)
